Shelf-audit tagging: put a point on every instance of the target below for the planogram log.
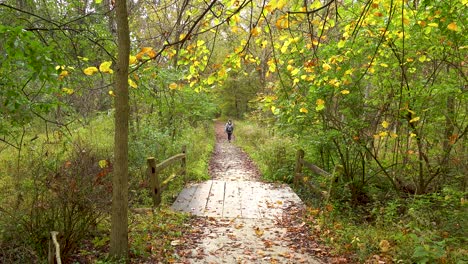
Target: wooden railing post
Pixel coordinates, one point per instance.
(298, 169)
(184, 163)
(154, 181)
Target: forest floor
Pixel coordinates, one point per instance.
(241, 219)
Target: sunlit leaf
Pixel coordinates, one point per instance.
(320, 105)
(326, 66)
(255, 31)
(63, 74)
(173, 86)
(303, 110)
(111, 93)
(90, 70)
(105, 67)
(132, 83)
(103, 163)
(415, 119)
(132, 60)
(345, 91)
(68, 90)
(452, 26)
(433, 24)
(383, 134)
(385, 124)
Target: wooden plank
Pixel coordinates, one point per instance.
(197, 205)
(272, 201)
(184, 198)
(215, 204)
(249, 199)
(232, 202)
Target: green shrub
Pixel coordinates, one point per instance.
(69, 194)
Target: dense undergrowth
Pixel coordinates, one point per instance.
(389, 226)
(62, 182)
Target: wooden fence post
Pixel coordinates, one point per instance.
(298, 169)
(184, 163)
(155, 185)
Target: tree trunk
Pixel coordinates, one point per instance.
(119, 219)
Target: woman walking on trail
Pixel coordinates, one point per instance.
(229, 129)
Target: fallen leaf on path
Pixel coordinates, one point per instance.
(176, 242)
(239, 226)
(259, 232)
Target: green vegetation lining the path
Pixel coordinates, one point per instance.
(391, 227)
(62, 182)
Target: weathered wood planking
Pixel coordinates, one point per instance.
(197, 205)
(185, 197)
(232, 205)
(215, 204)
(230, 199)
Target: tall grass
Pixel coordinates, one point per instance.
(273, 153)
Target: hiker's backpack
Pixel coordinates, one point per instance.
(229, 128)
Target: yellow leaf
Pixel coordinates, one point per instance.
(132, 60)
(320, 105)
(393, 135)
(412, 135)
(423, 58)
(341, 43)
(384, 246)
(273, 108)
(83, 58)
(384, 65)
(385, 124)
(105, 67)
(383, 134)
(415, 119)
(173, 86)
(103, 163)
(433, 24)
(255, 31)
(345, 92)
(63, 74)
(295, 72)
(326, 66)
(182, 36)
(303, 110)
(90, 70)
(68, 91)
(132, 83)
(259, 232)
(111, 93)
(289, 67)
(452, 26)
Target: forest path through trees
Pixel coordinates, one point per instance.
(241, 219)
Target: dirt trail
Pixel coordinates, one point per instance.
(240, 219)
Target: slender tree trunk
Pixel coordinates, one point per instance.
(119, 219)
